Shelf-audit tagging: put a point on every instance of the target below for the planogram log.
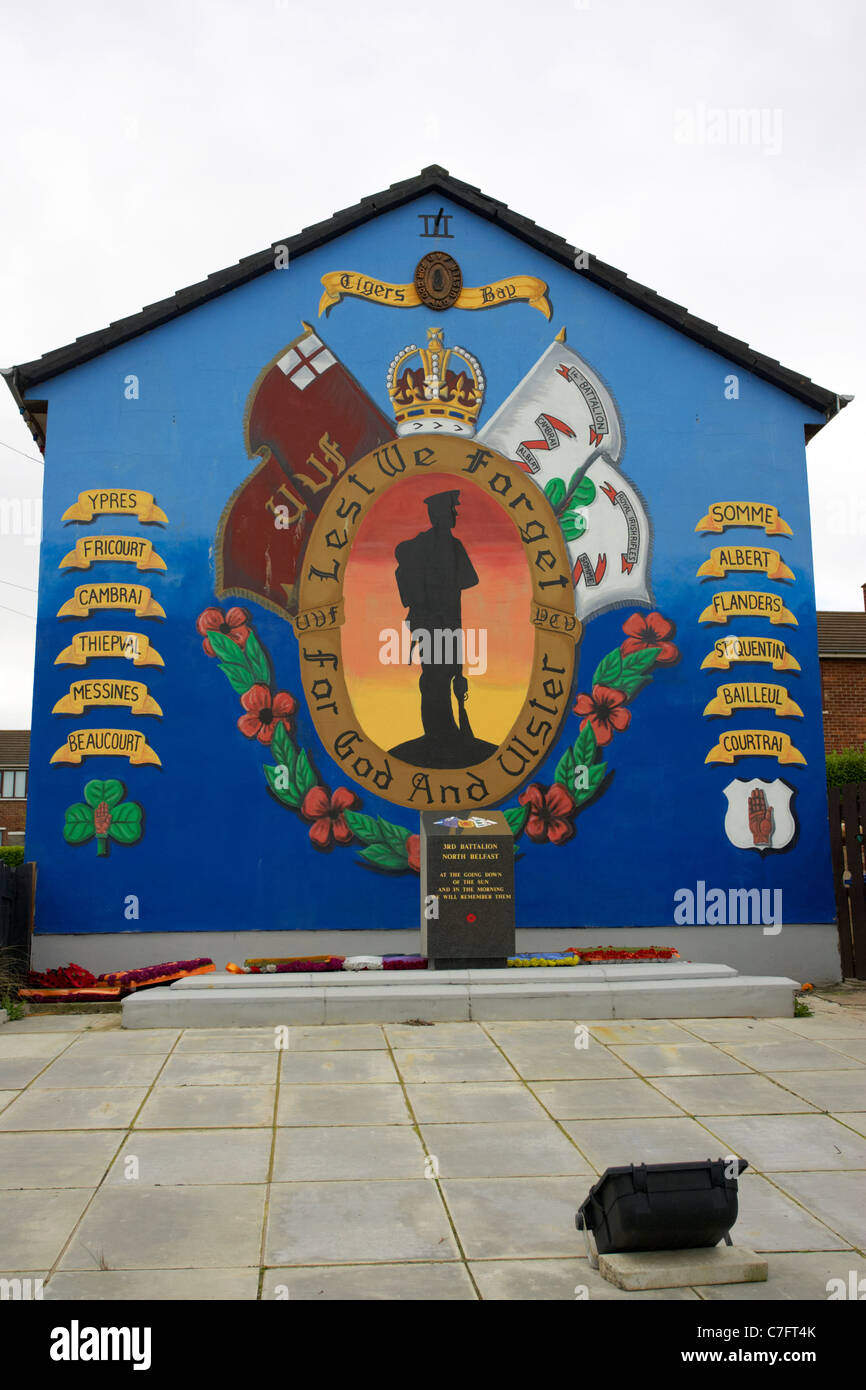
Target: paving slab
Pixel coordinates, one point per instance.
(73, 1109)
(220, 1069)
(7, 1097)
(640, 1032)
(746, 1094)
(790, 1143)
(32, 1043)
(17, 1072)
(63, 1023)
(77, 1071)
(475, 1102)
(748, 1030)
(187, 1228)
(574, 1100)
(46, 1160)
(35, 1225)
(608, 1143)
(358, 1221)
(503, 1150)
(520, 1281)
(801, 1278)
(852, 1118)
(665, 1269)
(319, 1068)
(848, 1047)
(835, 1090)
(341, 1037)
(824, 1027)
(335, 1104)
(153, 1285)
(453, 1064)
(770, 1220)
(516, 1218)
(417, 1283)
(223, 1039)
(836, 1198)
(795, 1055)
(686, 1059)
(192, 1157)
(206, 1107)
(563, 1061)
(436, 1035)
(123, 1041)
(329, 1154)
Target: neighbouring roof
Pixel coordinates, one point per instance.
(14, 747)
(434, 179)
(842, 634)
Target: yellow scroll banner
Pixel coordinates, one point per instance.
(112, 501)
(125, 549)
(747, 603)
(132, 695)
(132, 646)
(746, 558)
(89, 596)
(753, 695)
(759, 743)
(115, 743)
(722, 514)
(339, 283)
(733, 649)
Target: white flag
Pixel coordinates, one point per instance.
(561, 424)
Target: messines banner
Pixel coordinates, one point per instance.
(753, 695)
(118, 743)
(338, 283)
(728, 650)
(87, 597)
(747, 559)
(756, 743)
(115, 502)
(132, 695)
(747, 603)
(763, 514)
(131, 646)
(126, 549)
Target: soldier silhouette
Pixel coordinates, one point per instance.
(433, 569)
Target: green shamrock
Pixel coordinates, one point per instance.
(103, 816)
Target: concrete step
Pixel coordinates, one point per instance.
(513, 975)
(267, 1001)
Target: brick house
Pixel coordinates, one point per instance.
(14, 760)
(842, 654)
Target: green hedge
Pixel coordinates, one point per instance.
(849, 765)
(12, 855)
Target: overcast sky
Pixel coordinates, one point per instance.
(147, 145)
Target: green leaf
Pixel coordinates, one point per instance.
(110, 791)
(564, 773)
(609, 669)
(283, 748)
(573, 525)
(583, 494)
(239, 675)
(257, 659)
(78, 825)
(382, 857)
(517, 817)
(636, 669)
(555, 492)
(125, 825)
(287, 795)
(365, 828)
(595, 776)
(226, 648)
(305, 777)
(394, 836)
(585, 747)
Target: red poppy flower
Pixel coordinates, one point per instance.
(605, 710)
(650, 630)
(264, 712)
(235, 624)
(326, 813)
(550, 810)
(413, 846)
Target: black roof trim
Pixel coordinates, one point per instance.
(434, 178)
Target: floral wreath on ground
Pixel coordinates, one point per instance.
(545, 813)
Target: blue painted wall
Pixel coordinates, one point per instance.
(218, 852)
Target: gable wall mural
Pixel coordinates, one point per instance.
(422, 520)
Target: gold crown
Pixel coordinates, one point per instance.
(441, 390)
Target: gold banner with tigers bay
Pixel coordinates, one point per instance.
(338, 283)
